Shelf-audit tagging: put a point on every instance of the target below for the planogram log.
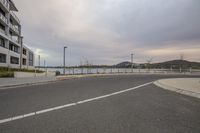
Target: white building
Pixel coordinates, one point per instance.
(13, 53)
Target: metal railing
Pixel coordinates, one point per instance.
(5, 3)
(14, 40)
(2, 31)
(78, 71)
(15, 17)
(3, 18)
(14, 28)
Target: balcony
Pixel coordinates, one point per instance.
(14, 39)
(5, 3)
(3, 18)
(14, 28)
(12, 6)
(15, 17)
(2, 31)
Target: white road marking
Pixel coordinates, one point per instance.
(69, 105)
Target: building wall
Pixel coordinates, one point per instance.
(11, 40)
(27, 57)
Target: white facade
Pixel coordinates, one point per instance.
(13, 53)
(27, 58)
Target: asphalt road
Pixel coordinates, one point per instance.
(147, 109)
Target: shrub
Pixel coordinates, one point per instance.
(6, 74)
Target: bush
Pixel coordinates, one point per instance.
(6, 74)
(6, 69)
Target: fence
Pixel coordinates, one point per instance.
(78, 71)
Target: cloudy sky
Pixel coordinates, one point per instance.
(108, 31)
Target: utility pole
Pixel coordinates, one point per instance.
(64, 60)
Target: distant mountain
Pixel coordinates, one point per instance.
(125, 64)
(176, 64)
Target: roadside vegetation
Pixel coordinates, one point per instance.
(9, 72)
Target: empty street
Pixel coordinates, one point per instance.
(105, 104)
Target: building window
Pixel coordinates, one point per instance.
(2, 12)
(14, 60)
(14, 48)
(30, 59)
(24, 61)
(2, 58)
(11, 47)
(2, 28)
(11, 21)
(2, 42)
(24, 51)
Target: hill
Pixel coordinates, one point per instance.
(175, 64)
(125, 64)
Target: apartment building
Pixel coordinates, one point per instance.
(13, 53)
(27, 58)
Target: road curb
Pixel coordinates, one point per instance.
(26, 84)
(178, 90)
(50, 81)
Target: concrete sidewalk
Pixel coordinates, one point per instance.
(6, 83)
(13, 82)
(186, 86)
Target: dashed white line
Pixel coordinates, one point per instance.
(69, 105)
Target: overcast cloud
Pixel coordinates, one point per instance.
(108, 31)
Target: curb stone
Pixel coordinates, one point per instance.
(178, 90)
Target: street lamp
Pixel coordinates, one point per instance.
(38, 61)
(132, 62)
(64, 61)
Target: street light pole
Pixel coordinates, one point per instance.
(38, 61)
(132, 62)
(64, 61)
(132, 58)
(45, 68)
(44, 63)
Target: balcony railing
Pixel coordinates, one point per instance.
(3, 18)
(2, 31)
(5, 3)
(14, 28)
(15, 17)
(14, 39)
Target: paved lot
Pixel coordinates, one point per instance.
(146, 109)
